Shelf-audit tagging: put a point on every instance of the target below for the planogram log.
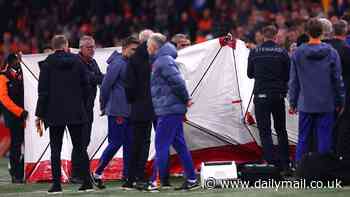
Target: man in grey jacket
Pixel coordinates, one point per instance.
(114, 104)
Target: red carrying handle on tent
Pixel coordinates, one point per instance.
(228, 40)
(236, 101)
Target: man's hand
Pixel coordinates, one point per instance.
(189, 103)
(339, 110)
(39, 126)
(292, 111)
(103, 112)
(24, 115)
(250, 45)
(19, 56)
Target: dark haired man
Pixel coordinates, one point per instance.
(142, 115)
(315, 89)
(62, 90)
(114, 104)
(269, 65)
(12, 106)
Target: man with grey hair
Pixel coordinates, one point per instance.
(94, 77)
(338, 43)
(327, 29)
(138, 93)
(170, 101)
(180, 41)
(144, 35)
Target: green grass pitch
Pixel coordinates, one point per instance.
(113, 189)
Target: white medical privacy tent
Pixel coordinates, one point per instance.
(216, 79)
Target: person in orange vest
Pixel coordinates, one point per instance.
(12, 107)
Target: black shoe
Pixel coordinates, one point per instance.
(76, 180)
(128, 186)
(166, 185)
(286, 172)
(98, 182)
(189, 186)
(86, 187)
(15, 180)
(55, 189)
(140, 185)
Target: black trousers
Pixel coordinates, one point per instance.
(16, 159)
(56, 137)
(139, 150)
(264, 107)
(76, 165)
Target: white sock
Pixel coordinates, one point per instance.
(154, 183)
(97, 176)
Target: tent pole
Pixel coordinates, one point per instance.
(29, 70)
(239, 91)
(99, 147)
(215, 135)
(239, 94)
(211, 133)
(37, 162)
(246, 111)
(205, 73)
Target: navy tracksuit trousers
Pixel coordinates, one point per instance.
(169, 132)
(119, 134)
(318, 125)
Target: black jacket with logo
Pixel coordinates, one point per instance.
(269, 65)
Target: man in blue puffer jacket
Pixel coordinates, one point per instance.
(170, 101)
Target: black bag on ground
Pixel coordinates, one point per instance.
(324, 167)
(258, 172)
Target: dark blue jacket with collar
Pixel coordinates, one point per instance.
(94, 77)
(269, 65)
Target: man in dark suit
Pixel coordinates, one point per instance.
(138, 93)
(94, 77)
(62, 90)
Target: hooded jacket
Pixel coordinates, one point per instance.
(316, 84)
(113, 98)
(168, 88)
(62, 90)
